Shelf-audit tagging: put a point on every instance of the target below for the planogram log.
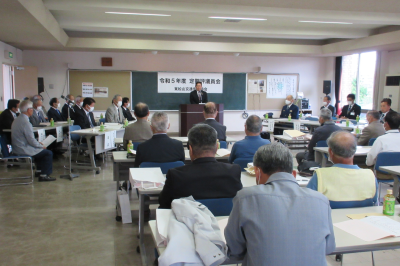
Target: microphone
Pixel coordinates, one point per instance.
(66, 99)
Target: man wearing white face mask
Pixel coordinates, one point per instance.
(327, 104)
(125, 109)
(351, 110)
(85, 119)
(114, 113)
(288, 109)
(68, 104)
(37, 117)
(53, 111)
(78, 104)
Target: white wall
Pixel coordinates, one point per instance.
(16, 60)
(52, 66)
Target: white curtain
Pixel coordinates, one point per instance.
(8, 92)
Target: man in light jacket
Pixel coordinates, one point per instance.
(114, 113)
(373, 130)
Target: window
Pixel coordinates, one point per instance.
(358, 76)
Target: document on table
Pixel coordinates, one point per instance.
(371, 228)
(147, 178)
(223, 152)
(293, 134)
(363, 215)
(50, 139)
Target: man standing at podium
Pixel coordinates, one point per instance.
(198, 96)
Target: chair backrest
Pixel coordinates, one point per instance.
(164, 166)
(102, 120)
(218, 207)
(270, 115)
(135, 145)
(351, 204)
(223, 144)
(387, 159)
(371, 141)
(3, 145)
(311, 118)
(322, 143)
(242, 162)
(74, 137)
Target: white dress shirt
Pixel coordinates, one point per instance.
(390, 142)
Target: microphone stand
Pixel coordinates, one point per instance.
(70, 176)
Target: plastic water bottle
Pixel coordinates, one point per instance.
(52, 122)
(290, 118)
(357, 130)
(358, 118)
(101, 127)
(347, 122)
(101, 116)
(126, 122)
(69, 120)
(388, 203)
(219, 144)
(130, 146)
(266, 116)
(301, 115)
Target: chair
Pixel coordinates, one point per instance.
(135, 145)
(371, 141)
(218, 207)
(223, 145)
(323, 143)
(310, 118)
(242, 162)
(164, 166)
(102, 120)
(6, 155)
(386, 159)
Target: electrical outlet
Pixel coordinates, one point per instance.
(51, 86)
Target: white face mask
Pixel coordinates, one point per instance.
(325, 103)
(128, 105)
(18, 111)
(58, 105)
(39, 108)
(349, 102)
(288, 102)
(91, 109)
(80, 104)
(119, 103)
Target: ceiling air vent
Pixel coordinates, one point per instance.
(232, 20)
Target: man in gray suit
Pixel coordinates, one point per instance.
(37, 116)
(43, 111)
(24, 143)
(373, 130)
(114, 113)
(270, 223)
(139, 131)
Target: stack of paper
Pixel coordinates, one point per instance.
(50, 139)
(147, 178)
(223, 152)
(293, 134)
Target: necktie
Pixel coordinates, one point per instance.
(40, 117)
(90, 120)
(348, 111)
(118, 116)
(199, 94)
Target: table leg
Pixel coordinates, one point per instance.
(141, 228)
(91, 155)
(320, 158)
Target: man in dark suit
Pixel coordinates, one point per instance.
(198, 96)
(7, 118)
(84, 118)
(125, 109)
(386, 104)
(78, 104)
(351, 110)
(288, 109)
(68, 103)
(205, 178)
(53, 111)
(210, 113)
(327, 104)
(160, 148)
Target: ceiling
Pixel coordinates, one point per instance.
(84, 25)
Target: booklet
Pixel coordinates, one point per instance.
(50, 139)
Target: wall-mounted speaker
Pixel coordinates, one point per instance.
(327, 86)
(40, 85)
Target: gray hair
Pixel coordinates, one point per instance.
(160, 121)
(254, 124)
(326, 114)
(202, 138)
(68, 96)
(78, 98)
(116, 96)
(273, 158)
(374, 114)
(342, 143)
(25, 105)
(36, 101)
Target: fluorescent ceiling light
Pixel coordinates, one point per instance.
(238, 18)
(325, 22)
(138, 14)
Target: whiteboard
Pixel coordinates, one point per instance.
(280, 86)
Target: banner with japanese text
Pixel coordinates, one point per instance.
(171, 82)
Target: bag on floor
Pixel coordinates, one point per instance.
(124, 207)
(304, 168)
(265, 135)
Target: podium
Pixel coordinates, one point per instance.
(191, 114)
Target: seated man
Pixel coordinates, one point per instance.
(78, 104)
(389, 142)
(373, 130)
(327, 104)
(68, 104)
(288, 109)
(386, 104)
(205, 178)
(320, 133)
(85, 118)
(344, 184)
(140, 130)
(53, 111)
(277, 222)
(247, 147)
(125, 109)
(37, 116)
(114, 112)
(8, 116)
(160, 148)
(43, 111)
(210, 113)
(351, 110)
(24, 143)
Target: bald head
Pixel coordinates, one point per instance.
(210, 110)
(289, 99)
(141, 110)
(342, 147)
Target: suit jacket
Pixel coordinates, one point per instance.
(194, 99)
(373, 130)
(6, 120)
(205, 178)
(321, 133)
(127, 114)
(64, 112)
(382, 117)
(35, 120)
(137, 132)
(82, 120)
(353, 113)
(55, 114)
(293, 110)
(23, 139)
(159, 149)
(78, 109)
(330, 107)
(221, 129)
(112, 115)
